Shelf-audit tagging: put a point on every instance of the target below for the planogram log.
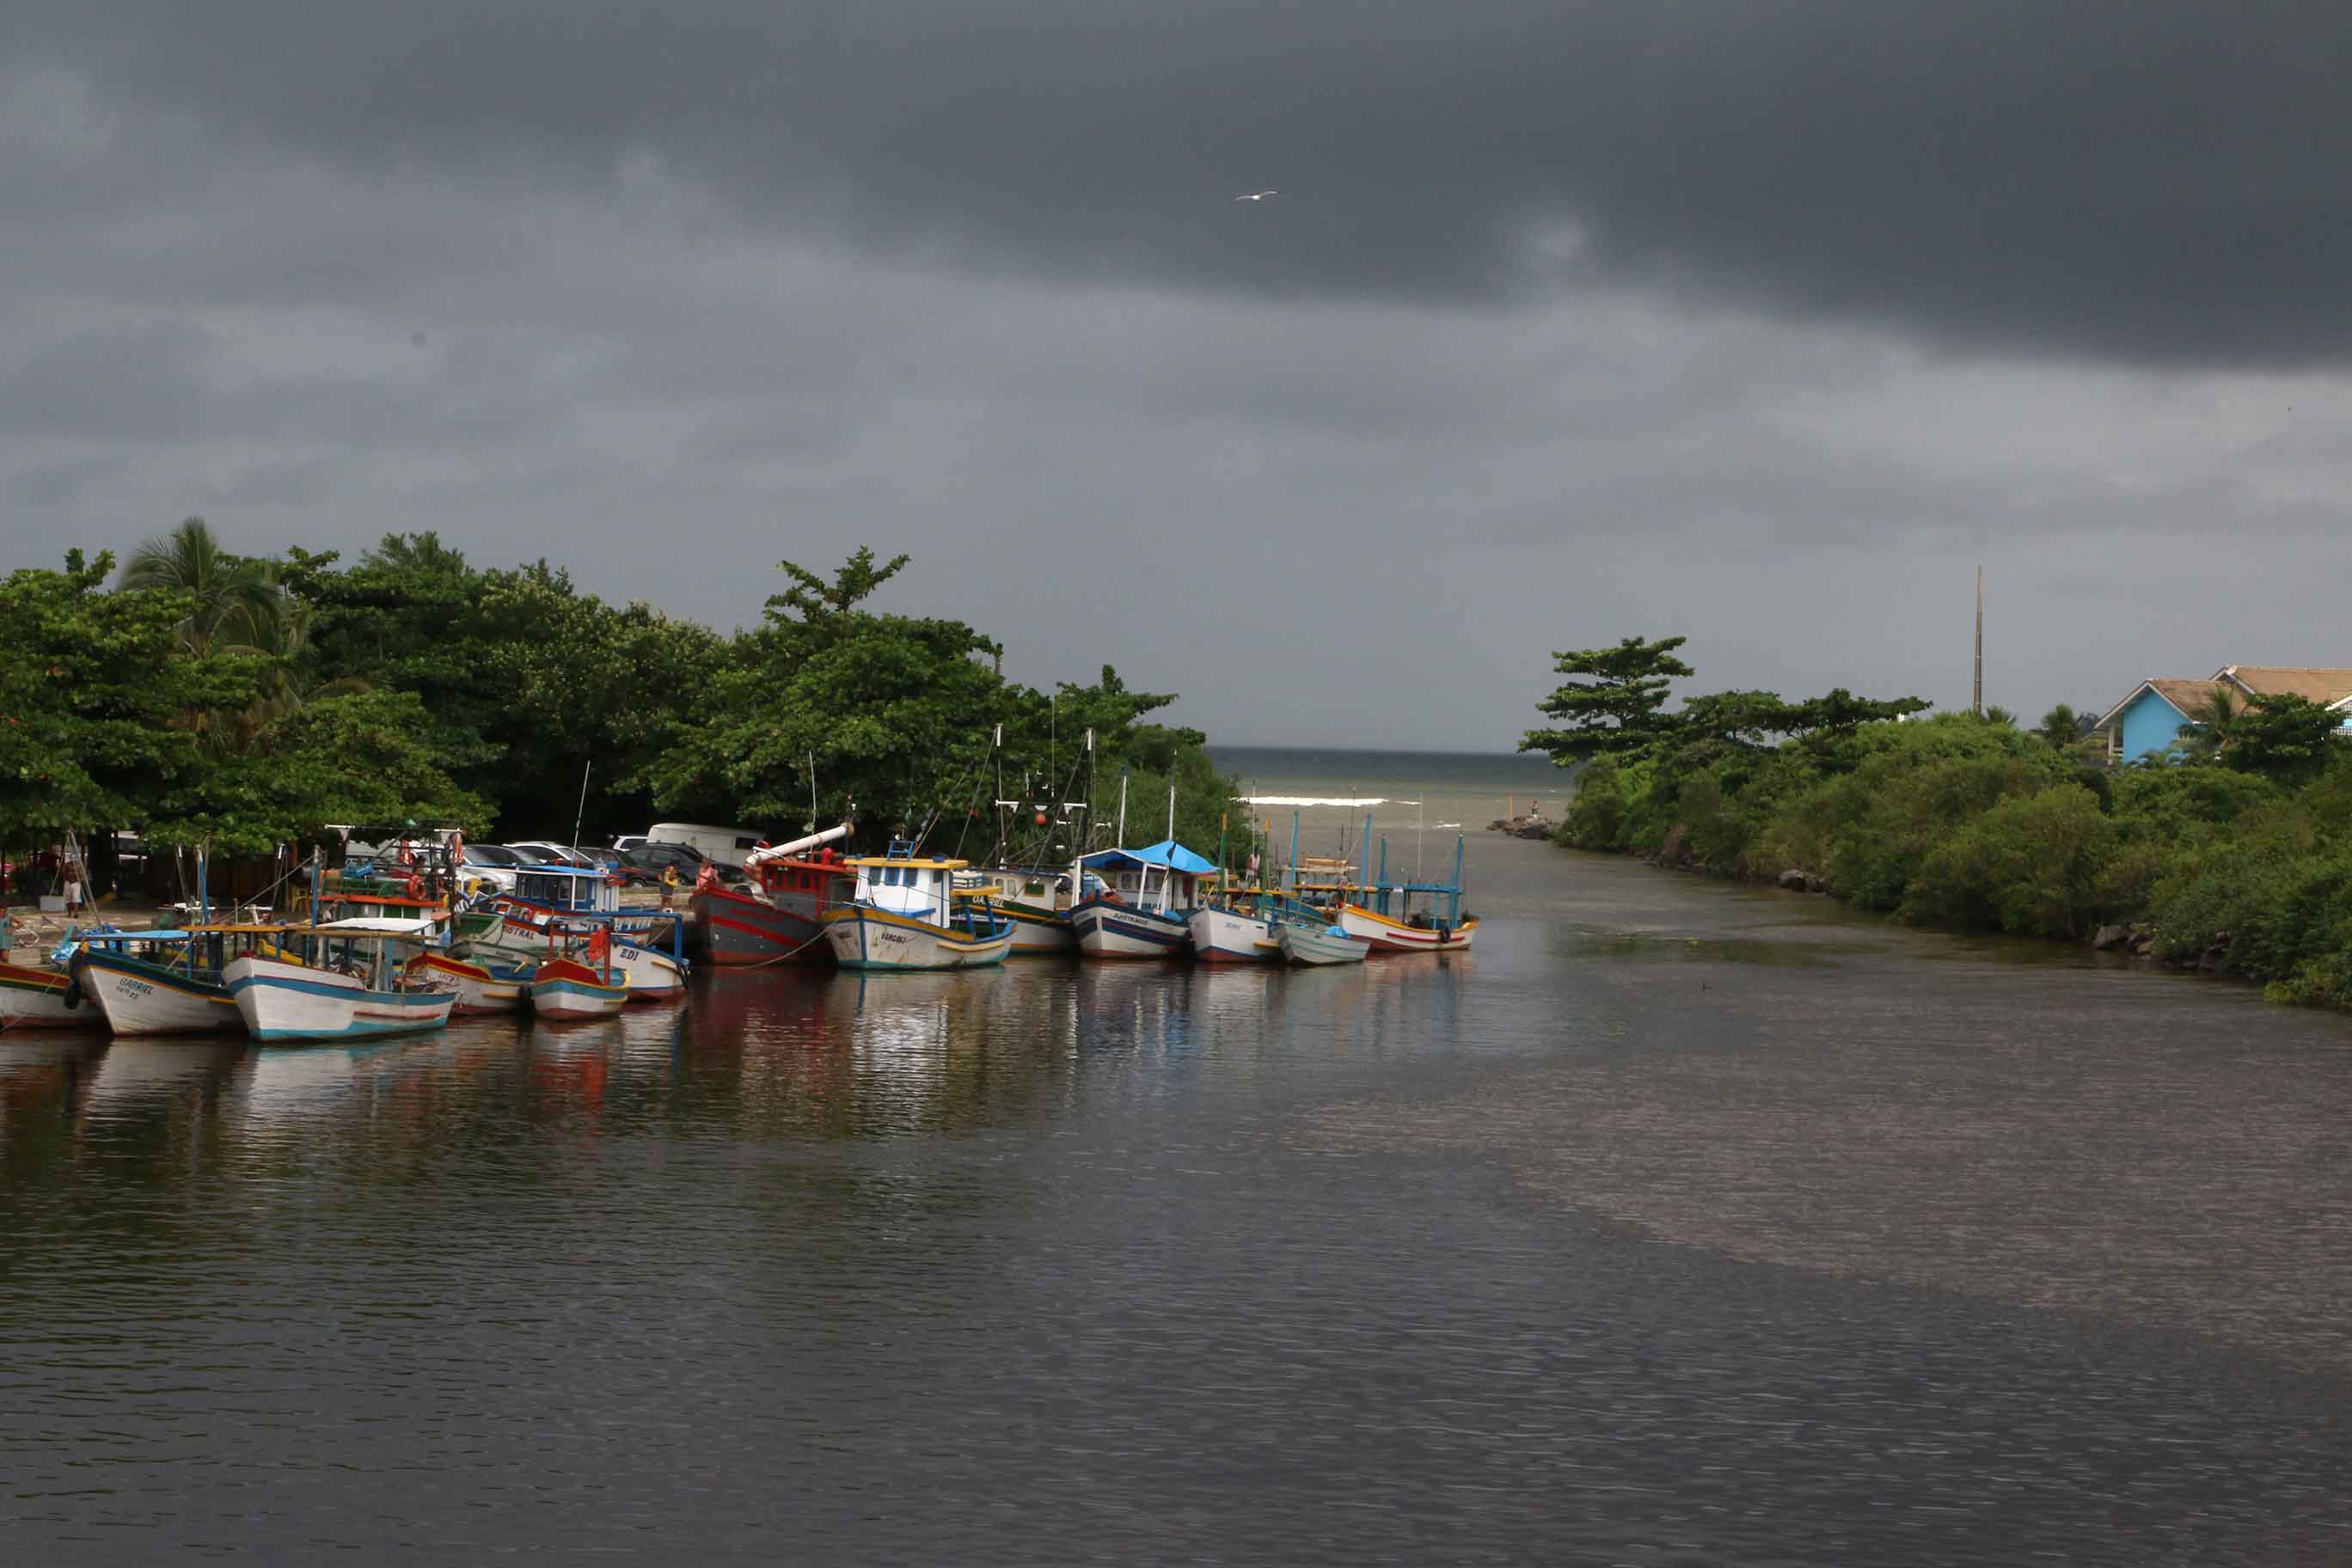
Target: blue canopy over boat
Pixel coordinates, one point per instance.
(1168, 855)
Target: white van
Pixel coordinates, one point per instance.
(728, 846)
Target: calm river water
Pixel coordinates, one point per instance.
(1685, 1223)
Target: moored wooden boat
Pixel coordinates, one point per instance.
(1408, 917)
(1035, 900)
(1418, 933)
(1222, 935)
(651, 976)
(285, 1003)
(338, 981)
(1145, 907)
(480, 988)
(1303, 942)
(565, 990)
(34, 997)
(155, 994)
(905, 916)
(775, 918)
(551, 911)
(1039, 933)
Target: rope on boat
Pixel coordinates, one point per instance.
(788, 952)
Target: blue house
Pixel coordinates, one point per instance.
(2155, 712)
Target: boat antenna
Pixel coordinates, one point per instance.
(1121, 841)
(812, 816)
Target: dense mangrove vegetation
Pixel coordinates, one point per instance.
(246, 702)
(2234, 851)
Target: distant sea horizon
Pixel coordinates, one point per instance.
(1333, 788)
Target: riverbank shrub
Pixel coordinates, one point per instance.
(2238, 857)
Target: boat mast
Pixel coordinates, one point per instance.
(581, 816)
(1168, 876)
(1079, 838)
(1120, 842)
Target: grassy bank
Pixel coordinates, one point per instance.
(2241, 863)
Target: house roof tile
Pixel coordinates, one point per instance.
(2325, 686)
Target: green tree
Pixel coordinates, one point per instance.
(363, 757)
(94, 687)
(2288, 739)
(894, 713)
(1611, 709)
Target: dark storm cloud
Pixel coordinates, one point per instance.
(2161, 182)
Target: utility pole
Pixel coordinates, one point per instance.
(1976, 701)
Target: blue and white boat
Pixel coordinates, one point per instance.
(905, 916)
(156, 982)
(338, 981)
(572, 990)
(1147, 902)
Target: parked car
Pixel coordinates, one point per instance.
(490, 866)
(627, 842)
(647, 862)
(728, 846)
(553, 854)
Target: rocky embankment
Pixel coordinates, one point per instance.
(1533, 825)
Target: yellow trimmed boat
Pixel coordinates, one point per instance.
(905, 916)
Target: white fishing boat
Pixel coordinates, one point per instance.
(650, 974)
(1234, 934)
(340, 980)
(157, 982)
(1303, 942)
(1409, 917)
(905, 915)
(1146, 905)
(1418, 932)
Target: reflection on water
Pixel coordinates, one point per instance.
(1681, 1223)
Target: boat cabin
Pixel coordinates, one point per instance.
(1165, 877)
(570, 889)
(1042, 886)
(902, 885)
(817, 878)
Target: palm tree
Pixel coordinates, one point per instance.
(2214, 717)
(238, 602)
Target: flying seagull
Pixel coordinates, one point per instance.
(1253, 196)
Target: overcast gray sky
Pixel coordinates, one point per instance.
(1761, 322)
